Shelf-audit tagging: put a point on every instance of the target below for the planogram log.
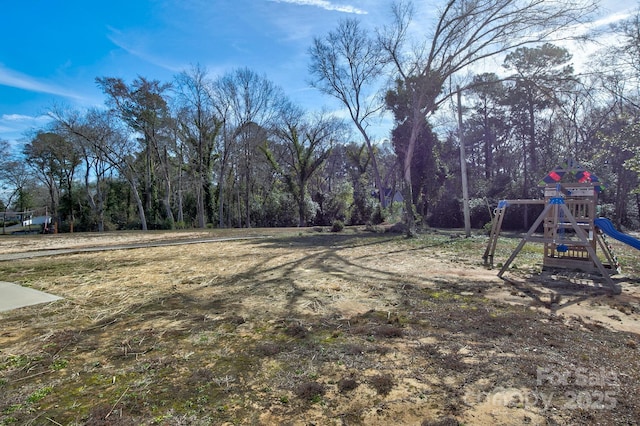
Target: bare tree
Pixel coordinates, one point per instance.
(96, 165)
(626, 55)
(465, 33)
(346, 64)
(101, 130)
(304, 146)
(618, 67)
(247, 102)
(198, 127)
(55, 161)
(13, 177)
(143, 107)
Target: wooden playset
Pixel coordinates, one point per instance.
(570, 236)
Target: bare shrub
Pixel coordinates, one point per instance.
(347, 384)
(389, 331)
(296, 330)
(269, 349)
(382, 383)
(310, 391)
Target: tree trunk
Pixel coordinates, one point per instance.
(166, 199)
(72, 217)
(301, 207)
(408, 200)
(532, 137)
(136, 196)
(488, 147)
(416, 121)
(374, 165)
(180, 183)
(247, 183)
(221, 199)
(141, 214)
(247, 195)
(147, 178)
(301, 220)
(463, 172)
(200, 212)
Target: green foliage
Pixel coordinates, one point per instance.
(275, 208)
(337, 226)
(168, 223)
(334, 205)
(363, 206)
(378, 216)
(447, 213)
(180, 225)
(480, 212)
(39, 395)
(307, 145)
(26, 200)
(15, 361)
(59, 364)
(487, 227)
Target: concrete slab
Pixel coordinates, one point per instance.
(13, 296)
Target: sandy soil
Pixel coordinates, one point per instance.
(601, 309)
(341, 285)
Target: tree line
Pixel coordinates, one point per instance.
(234, 151)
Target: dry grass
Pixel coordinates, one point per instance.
(305, 327)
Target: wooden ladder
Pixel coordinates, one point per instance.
(608, 251)
(496, 225)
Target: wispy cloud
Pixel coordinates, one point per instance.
(18, 80)
(324, 4)
(612, 18)
(18, 122)
(14, 126)
(137, 46)
(600, 36)
(22, 117)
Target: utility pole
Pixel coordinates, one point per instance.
(463, 171)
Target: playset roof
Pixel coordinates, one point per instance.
(572, 168)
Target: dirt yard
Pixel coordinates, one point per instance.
(300, 327)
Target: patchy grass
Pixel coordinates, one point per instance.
(329, 328)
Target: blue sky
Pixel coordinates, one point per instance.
(52, 50)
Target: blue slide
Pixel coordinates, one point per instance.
(607, 227)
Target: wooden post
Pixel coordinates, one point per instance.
(463, 172)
